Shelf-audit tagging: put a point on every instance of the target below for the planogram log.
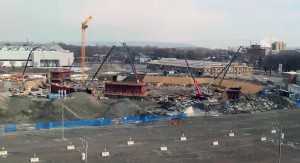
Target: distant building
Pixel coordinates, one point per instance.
(235, 69)
(98, 58)
(46, 55)
(278, 46)
(288, 78)
(293, 85)
(256, 51)
(142, 59)
(198, 68)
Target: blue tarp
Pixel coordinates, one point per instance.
(49, 125)
(10, 128)
(132, 119)
(298, 103)
(152, 118)
(100, 122)
(53, 96)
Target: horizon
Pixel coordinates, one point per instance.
(211, 24)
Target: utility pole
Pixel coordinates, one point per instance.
(62, 96)
(281, 136)
(85, 146)
(62, 125)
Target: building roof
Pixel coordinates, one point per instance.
(21, 47)
(182, 63)
(192, 63)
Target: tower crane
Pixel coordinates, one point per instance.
(84, 26)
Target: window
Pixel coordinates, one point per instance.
(49, 63)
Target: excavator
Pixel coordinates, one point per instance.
(219, 87)
(106, 57)
(33, 49)
(126, 49)
(199, 95)
(100, 66)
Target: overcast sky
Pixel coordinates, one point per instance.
(210, 23)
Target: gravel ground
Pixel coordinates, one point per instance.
(245, 147)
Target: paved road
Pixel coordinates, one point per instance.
(200, 131)
(264, 78)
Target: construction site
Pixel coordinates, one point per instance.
(202, 100)
(120, 94)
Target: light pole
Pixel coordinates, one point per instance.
(85, 147)
(62, 96)
(280, 137)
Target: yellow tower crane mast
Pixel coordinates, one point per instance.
(84, 26)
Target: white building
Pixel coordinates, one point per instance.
(44, 56)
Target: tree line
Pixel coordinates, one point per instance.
(288, 58)
(150, 51)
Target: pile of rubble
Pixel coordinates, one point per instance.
(249, 103)
(189, 107)
(254, 103)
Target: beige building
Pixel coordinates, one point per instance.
(278, 46)
(235, 69)
(198, 68)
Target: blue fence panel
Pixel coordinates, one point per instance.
(42, 126)
(106, 122)
(132, 119)
(152, 118)
(79, 123)
(101, 122)
(164, 118)
(177, 116)
(10, 128)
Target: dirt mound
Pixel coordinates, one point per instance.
(123, 108)
(85, 106)
(76, 107)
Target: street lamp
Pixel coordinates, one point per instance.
(85, 147)
(278, 127)
(63, 96)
